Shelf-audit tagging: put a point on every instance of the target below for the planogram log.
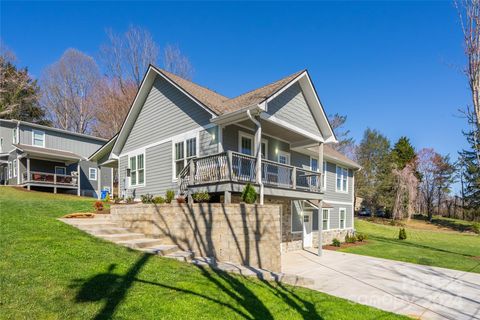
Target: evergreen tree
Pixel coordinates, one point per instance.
(470, 171)
(374, 183)
(19, 94)
(403, 153)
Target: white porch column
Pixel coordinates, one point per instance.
(258, 154)
(320, 211)
(99, 182)
(28, 172)
(220, 138)
(78, 179)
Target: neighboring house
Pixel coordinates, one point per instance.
(182, 136)
(45, 158)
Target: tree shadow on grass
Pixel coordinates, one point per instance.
(113, 288)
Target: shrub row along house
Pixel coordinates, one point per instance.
(44, 158)
(182, 136)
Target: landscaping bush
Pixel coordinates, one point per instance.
(201, 197)
(98, 205)
(147, 198)
(402, 234)
(107, 198)
(130, 200)
(361, 237)
(476, 227)
(159, 200)
(249, 195)
(169, 196)
(336, 242)
(350, 238)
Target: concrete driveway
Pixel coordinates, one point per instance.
(418, 291)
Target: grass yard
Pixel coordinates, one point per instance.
(50, 270)
(427, 245)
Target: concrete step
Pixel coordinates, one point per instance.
(184, 256)
(161, 250)
(95, 225)
(115, 237)
(140, 243)
(110, 230)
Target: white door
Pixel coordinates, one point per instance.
(307, 229)
(284, 173)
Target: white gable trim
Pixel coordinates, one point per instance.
(311, 98)
(135, 109)
(291, 127)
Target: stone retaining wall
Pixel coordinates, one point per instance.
(238, 233)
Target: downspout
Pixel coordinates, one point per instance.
(258, 147)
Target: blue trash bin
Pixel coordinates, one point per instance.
(103, 195)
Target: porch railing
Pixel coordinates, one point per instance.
(49, 178)
(238, 167)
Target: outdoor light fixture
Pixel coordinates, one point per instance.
(128, 172)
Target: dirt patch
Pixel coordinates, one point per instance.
(345, 245)
(87, 215)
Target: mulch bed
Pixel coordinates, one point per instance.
(345, 245)
(79, 215)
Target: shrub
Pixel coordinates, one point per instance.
(107, 198)
(336, 242)
(147, 198)
(181, 199)
(476, 227)
(361, 237)
(402, 234)
(350, 238)
(201, 197)
(159, 200)
(98, 205)
(169, 196)
(130, 200)
(249, 195)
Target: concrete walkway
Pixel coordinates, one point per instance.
(421, 292)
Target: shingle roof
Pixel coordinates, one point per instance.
(334, 154)
(220, 104)
(48, 152)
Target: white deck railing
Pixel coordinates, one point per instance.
(238, 167)
(49, 178)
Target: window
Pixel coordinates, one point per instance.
(342, 179)
(246, 145)
(92, 173)
(342, 215)
(325, 218)
(297, 221)
(14, 165)
(137, 169)
(61, 170)
(184, 151)
(14, 136)
(38, 138)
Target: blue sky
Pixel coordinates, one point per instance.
(393, 66)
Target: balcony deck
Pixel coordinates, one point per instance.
(229, 171)
(43, 179)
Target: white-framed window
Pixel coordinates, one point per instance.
(63, 171)
(14, 165)
(297, 219)
(9, 169)
(314, 167)
(136, 164)
(325, 219)
(342, 180)
(92, 174)
(342, 215)
(246, 144)
(184, 150)
(14, 135)
(38, 138)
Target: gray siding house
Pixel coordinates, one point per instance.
(44, 158)
(182, 136)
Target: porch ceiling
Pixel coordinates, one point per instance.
(272, 129)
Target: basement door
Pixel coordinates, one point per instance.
(307, 228)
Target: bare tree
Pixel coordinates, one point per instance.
(115, 104)
(469, 13)
(406, 191)
(175, 62)
(127, 56)
(69, 91)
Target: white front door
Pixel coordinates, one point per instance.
(307, 229)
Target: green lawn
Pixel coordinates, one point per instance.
(49, 270)
(452, 250)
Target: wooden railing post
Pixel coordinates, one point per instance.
(294, 178)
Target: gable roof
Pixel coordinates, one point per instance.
(333, 154)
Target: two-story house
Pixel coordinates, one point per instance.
(44, 158)
(182, 136)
